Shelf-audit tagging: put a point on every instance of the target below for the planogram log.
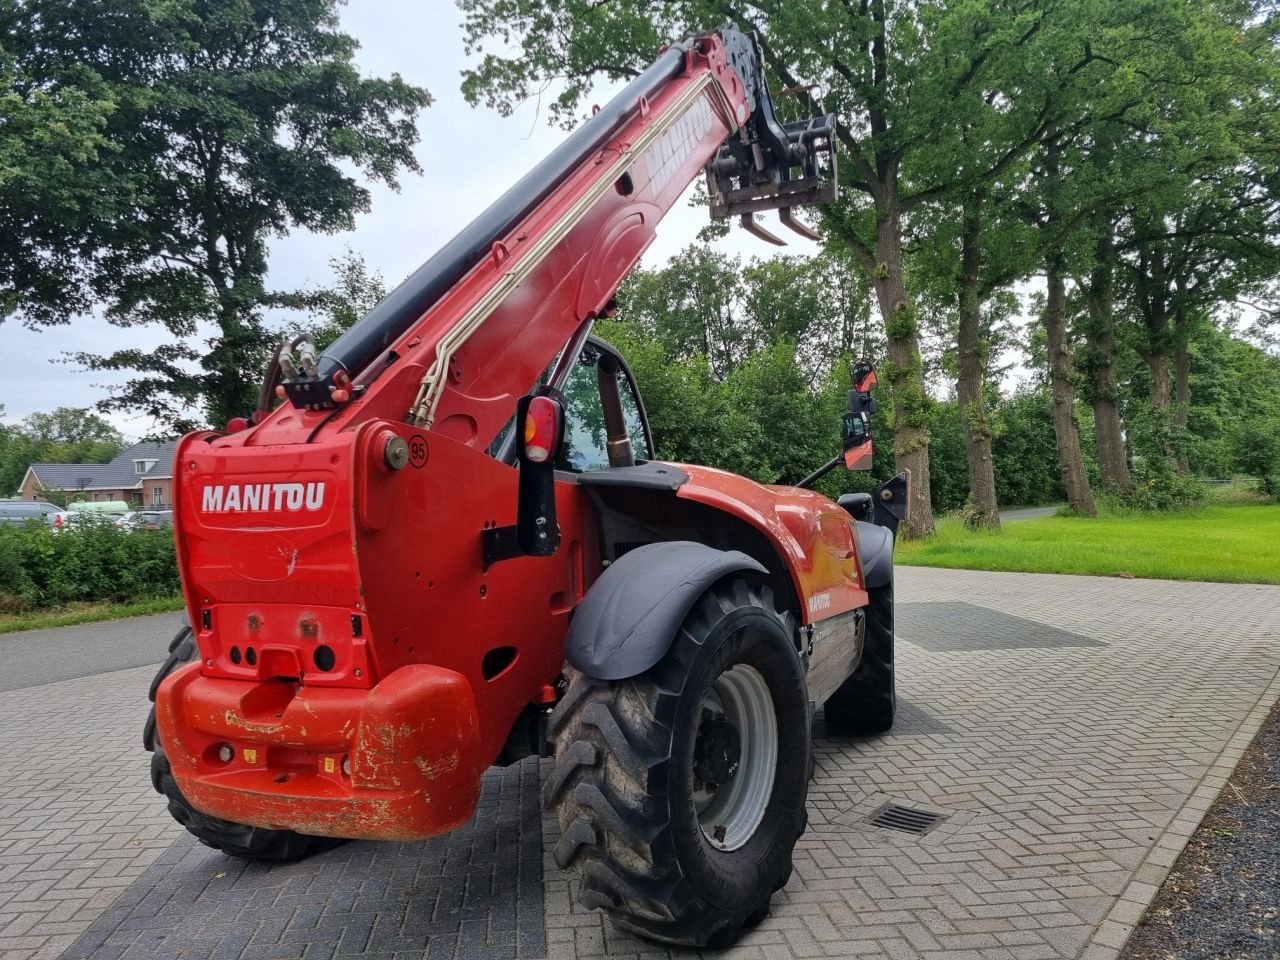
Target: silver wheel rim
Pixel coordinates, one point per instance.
(730, 813)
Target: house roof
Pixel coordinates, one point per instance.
(119, 474)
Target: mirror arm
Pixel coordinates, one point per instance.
(821, 472)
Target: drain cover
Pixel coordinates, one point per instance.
(893, 817)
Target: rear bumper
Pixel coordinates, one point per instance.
(398, 762)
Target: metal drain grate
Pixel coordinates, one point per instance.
(893, 817)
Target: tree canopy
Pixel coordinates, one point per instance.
(184, 135)
(1123, 152)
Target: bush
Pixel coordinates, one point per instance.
(90, 562)
(1157, 487)
(1025, 451)
(1258, 453)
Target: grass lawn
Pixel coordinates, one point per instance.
(85, 613)
(1226, 544)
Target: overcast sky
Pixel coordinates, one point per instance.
(468, 157)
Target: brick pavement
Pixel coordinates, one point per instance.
(79, 822)
(476, 892)
(1063, 724)
(1072, 731)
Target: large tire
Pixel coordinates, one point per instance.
(633, 760)
(234, 839)
(867, 700)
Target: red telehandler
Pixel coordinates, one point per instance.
(448, 546)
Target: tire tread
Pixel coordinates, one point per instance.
(612, 752)
(235, 839)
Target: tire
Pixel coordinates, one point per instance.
(235, 839)
(867, 700)
(633, 759)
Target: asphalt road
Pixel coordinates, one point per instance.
(1027, 513)
(35, 657)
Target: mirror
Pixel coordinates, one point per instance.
(856, 427)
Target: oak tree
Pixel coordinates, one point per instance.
(228, 123)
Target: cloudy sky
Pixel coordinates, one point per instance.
(468, 157)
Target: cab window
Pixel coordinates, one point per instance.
(585, 448)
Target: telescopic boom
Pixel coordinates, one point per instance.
(703, 105)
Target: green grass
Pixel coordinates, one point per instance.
(1225, 544)
(85, 613)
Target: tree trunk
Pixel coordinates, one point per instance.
(1065, 427)
(1161, 401)
(1113, 463)
(973, 408)
(1182, 388)
(1156, 354)
(1158, 364)
(910, 401)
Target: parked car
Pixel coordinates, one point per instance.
(145, 519)
(20, 511)
(157, 519)
(107, 508)
(65, 519)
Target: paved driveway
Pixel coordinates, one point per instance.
(1069, 731)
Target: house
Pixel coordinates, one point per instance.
(141, 475)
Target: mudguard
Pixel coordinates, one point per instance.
(875, 548)
(629, 617)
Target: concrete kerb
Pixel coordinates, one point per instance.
(1115, 929)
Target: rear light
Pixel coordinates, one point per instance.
(541, 429)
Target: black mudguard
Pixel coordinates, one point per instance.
(885, 507)
(875, 549)
(627, 620)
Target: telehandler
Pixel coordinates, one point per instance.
(443, 543)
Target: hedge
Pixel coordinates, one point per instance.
(42, 568)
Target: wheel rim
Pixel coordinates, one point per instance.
(730, 811)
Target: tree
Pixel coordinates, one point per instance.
(979, 143)
(932, 97)
(1025, 454)
(1134, 131)
(71, 426)
(973, 246)
(1235, 397)
(704, 303)
(1177, 219)
(693, 307)
(67, 435)
(51, 145)
(924, 114)
(870, 82)
(820, 304)
(769, 409)
(229, 123)
(1182, 257)
(1066, 427)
